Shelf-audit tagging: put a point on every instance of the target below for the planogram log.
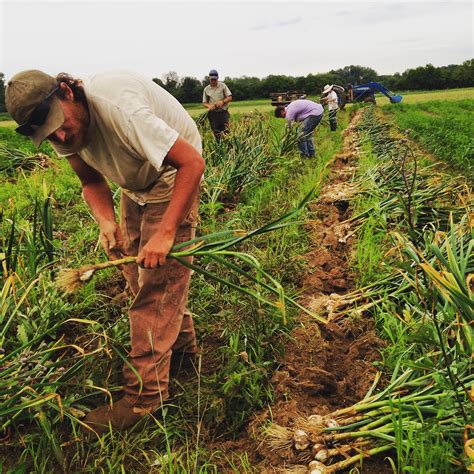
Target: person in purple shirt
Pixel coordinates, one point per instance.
(308, 112)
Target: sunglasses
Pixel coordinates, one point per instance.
(37, 117)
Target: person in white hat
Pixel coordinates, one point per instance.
(330, 98)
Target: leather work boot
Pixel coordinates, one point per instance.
(121, 416)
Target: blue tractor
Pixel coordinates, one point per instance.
(363, 93)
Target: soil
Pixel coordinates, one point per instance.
(325, 367)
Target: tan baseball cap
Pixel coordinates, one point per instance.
(24, 93)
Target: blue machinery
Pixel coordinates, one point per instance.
(366, 93)
(359, 93)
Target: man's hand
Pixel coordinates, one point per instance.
(96, 193)
(111, 239)
(154, 253)
(220, 104)
(190, 167)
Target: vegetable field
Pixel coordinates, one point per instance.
(332, 298)
(443, 128)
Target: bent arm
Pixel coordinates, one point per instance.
(190, 167)
(95, 190)
(205, 101)
(224, 101)
(96, 193)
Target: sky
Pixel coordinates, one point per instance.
(237, 38)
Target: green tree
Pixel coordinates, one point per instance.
(275, 83)
(315, 82)
(190, 90)
(171, 82)
(354, 75)
(244, 88)
(463, 76)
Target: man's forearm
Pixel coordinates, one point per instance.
(185, 191)
(190, 167)
(99, 198)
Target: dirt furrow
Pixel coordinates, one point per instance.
(324, 367)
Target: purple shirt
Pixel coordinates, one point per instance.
(300, 109)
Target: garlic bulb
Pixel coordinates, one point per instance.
(317, 420)
(331, 423)
(316, 448)
(322, 455)
(300, 439)
(315, 467)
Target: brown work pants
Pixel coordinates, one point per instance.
(159, 321)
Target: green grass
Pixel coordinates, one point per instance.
(263, 105)
(13, 139)
(446, 129)
(414, 97)
(410, 97)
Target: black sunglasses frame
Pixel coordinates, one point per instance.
(38, 116)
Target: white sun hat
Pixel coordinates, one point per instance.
(327, 88)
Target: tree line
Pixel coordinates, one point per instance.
(429, 77)
(189, 89)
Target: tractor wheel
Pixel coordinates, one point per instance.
(370, 99)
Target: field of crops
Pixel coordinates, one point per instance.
(443, 128)
(340, 335)
(263, 105)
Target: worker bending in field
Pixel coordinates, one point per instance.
(126, 128)
(310, 114)
(330, 98)
(216, 97)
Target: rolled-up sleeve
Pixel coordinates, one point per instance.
(150, 137)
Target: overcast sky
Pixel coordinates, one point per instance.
(236, 38)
